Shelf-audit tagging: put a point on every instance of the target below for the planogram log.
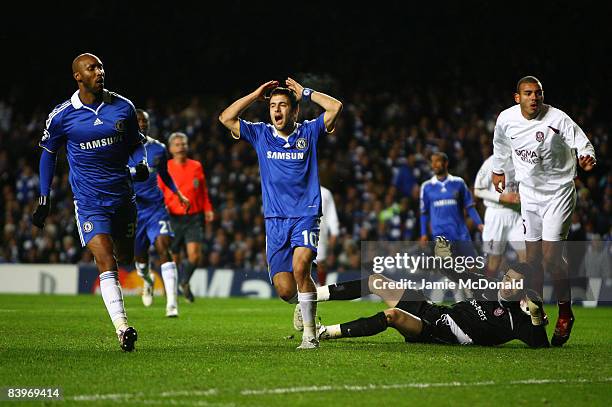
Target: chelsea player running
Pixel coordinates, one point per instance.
(153, 224)
(100, 131)
(287, 154)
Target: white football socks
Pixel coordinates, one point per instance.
(308, 305)
(143, 271)
(323, 293)
(334, 331)
(113, 298)
(170, 277)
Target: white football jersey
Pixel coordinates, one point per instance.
(542, 150)
(329, 221)
(484, 180)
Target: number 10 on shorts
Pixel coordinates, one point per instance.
(310, 238)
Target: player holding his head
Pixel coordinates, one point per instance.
(100, 130)
(153, 225)
(287, 154)
(443, 199)
(540, 143)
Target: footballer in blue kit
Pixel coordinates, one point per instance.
(99, 130)
(153, 222)
(443, 199)
(291, 194)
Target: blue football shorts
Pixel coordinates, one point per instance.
(153, 221)
(283, 235)
(119, 220)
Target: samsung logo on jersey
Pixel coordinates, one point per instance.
(103, 142)
(445, 202)
(275, 155)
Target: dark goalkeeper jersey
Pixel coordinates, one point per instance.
(490, 320)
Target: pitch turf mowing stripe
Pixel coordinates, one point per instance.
(332, 388)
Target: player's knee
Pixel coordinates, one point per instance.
(551, 257)
(106, 261)
(287, 294)
(164, 256)
(300, 268)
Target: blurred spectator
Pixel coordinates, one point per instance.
(374, 162)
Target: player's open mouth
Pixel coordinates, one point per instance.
(278, 118)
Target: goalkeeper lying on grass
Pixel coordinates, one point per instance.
(491, 317)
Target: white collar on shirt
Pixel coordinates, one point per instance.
(76, 100)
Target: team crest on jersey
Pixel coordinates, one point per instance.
(120, 125)
(87, 227)
(498, 312)
(539, 136)
(301, 143)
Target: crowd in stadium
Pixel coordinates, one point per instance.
(373, 163)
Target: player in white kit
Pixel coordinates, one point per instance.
(330, 228)
(502, 222)
(541, 142)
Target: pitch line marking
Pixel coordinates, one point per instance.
(127, 396)
(370, 387)
(327, 388)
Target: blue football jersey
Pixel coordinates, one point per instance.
(288, 169)
(148, 192)
(444, 201)
(98, 142)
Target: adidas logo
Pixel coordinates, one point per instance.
(98, 122)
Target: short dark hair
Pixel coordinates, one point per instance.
(442, 155)
(520, 267)
(287, 92)
(527, 79)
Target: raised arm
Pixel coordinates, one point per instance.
(332, 106)
(229, 117)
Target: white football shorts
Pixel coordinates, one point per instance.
(502, 226)
(547, 215)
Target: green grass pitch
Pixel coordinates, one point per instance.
(235, 352)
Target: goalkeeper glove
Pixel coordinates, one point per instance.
(442, 247)
(41, 212)
(141, 172)
(536, 309)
